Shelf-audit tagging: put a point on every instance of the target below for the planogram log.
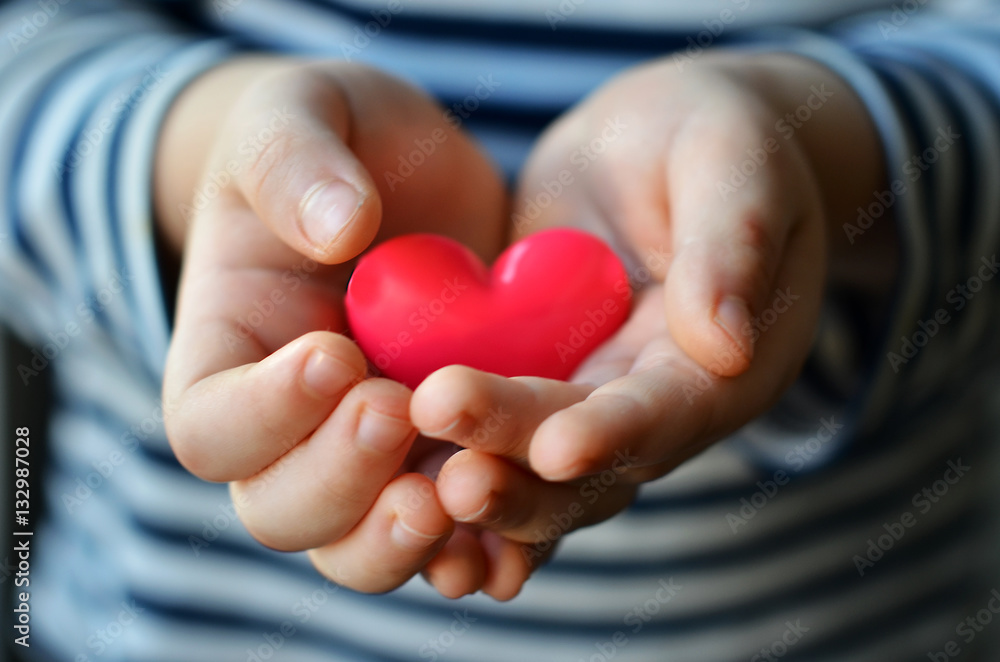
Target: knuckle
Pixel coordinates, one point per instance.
(760, 252)
(269, 165)
(758, 237)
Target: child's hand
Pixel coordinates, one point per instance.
(727, 308)
(290, 163)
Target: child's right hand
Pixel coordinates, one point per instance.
(261, 389)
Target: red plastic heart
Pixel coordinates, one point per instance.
(420, 302)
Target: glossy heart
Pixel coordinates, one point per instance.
(420, 302)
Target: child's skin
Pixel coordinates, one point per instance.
(350, 491)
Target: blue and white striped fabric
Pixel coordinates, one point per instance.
(778, 543)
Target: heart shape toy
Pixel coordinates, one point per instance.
(420, 302)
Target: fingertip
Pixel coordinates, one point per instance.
(713, 329)
(419, 520)
(463, 486)
(554, 450)
(598, 433)
(221, 427)
(307, 183)
(509, 565)
(440, 402)
(394, 540)
(409, 538)
(338, 220)
(386, 397)
(504, 592)
(459, 569)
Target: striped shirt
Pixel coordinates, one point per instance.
(852, 522)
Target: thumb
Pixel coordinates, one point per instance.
(731, 231)
(300, 177)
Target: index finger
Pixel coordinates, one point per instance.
(487, 412)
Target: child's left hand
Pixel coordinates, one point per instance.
(651, 160)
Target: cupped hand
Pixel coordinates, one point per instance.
(309, 164)
(720, 218)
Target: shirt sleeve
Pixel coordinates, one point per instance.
(86, 86)
(931, 83)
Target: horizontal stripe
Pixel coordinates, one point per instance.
(138, 533)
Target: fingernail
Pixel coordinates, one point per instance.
(474, 516)
(562, 475)
(409, 538)
(325, 375)
(385, 434)
(732, 314)
(436, 434)
(328, 208)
